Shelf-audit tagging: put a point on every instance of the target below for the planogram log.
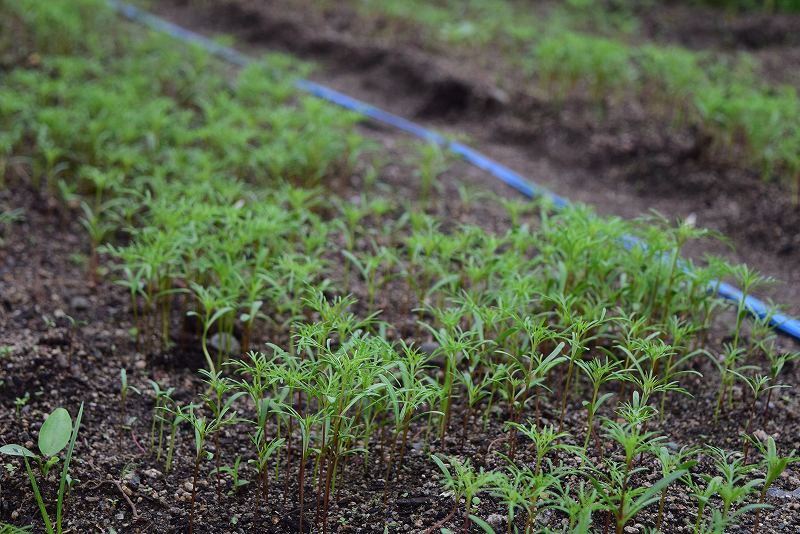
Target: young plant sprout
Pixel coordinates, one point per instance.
(213, 309)
(20, 403)
(431, 164)
(731, 486)
(774, 465)
(123, 394)
(757, 384)
(219, 400)
(777, 363)
(670, 463)
(177, 419)
(544, 440)
(163, 397)
(598, 372)
(56, 434)
(578, 340)
(233, 471)
(464, 482)
(203, 428)
(265, 451)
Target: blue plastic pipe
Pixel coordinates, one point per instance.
(779, 321)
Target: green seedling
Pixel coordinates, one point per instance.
(731, 485)
(20, 403)
(464, 482)
(265, 451)
(703, 495)
(214, 309)
(203, 428)
(305, 424)
(758, 384)
(507, 490)
(177, 419)
(476, 392)
(579, 507)
(219, 400)
(431, 164)
(5, 528)
(123, 394)
(407, 392)
(56, 434)
(616, 492)
(774, 465)
(163, 398)
(728, 372)
(368, 267)
(670, 463)
(98, 229)
(579, 338)
(544, 440)
(233, 471)
(599, 372)
(777, 363)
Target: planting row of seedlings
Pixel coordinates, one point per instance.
(568, 55)
(348, 346)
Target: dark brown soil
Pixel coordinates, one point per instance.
(620, 159)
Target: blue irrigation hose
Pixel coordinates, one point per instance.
(779, 321)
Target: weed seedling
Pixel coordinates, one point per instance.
(56, 434)
(20, 403)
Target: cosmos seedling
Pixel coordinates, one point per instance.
(774, 465)
(464, 481)
(233, 471)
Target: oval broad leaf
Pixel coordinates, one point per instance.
(16, 450)
(55, 432)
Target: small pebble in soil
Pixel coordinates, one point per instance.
(225, 343)
(79, 303)
(429, 347)
(783, 494)
(496, 520)
(133, 480)
(152, 473)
